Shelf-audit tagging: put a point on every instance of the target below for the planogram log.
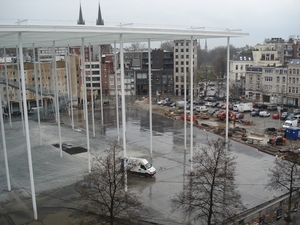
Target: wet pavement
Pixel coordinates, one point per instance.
(51, 172)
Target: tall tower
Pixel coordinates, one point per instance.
(99, 21)
(80, 21)
(206, 45)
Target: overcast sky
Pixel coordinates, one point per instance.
(260, 18)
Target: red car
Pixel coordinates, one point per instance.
(239, 116)
(276, 116)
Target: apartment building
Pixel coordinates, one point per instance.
(45, 80)
(181, 55)
(45, 54)
(161, 72)
(293, 82)
(266, 55)
(237, 72)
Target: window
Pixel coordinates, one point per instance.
(277, 79)
(236, 67)
(268, 79)
(242, 67)
(283, 79)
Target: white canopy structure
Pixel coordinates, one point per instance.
(44, 35)
(28, 36)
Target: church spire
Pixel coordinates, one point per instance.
(99, 20)
(80, 21)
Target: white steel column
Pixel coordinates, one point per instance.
(20, 88)
(68, 85)
(150, 96)
(41, 84)
(36, 94)
(123, 107)
(100, 71)
(27, 130)
(192, 99)
(227, 93)
(85, 105)
(92, 94)
(7, 91)
(56, 96)
(117, 92)
(70, 88)
(184, 43)
(4, 147)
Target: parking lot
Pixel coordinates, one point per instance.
(54, 174)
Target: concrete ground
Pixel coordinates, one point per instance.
(54, 175)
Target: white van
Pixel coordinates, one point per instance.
(290, 123)
(139, 165)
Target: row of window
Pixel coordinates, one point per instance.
(294, 71)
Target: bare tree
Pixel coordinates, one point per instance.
(167, 45)
(211, 195)
(286, 174)
(205, 75)
(103, 199)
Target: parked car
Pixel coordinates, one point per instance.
(255, 112)
(276, 116)
(211, 99)
(272, 108)
(296, 117)
(202, 108)
(213, 111)
(215, 104)
(222, 115)
(208, 104)
(264, 114)
(161, 102)
(223, 107)
(296, 111)
(290, 116)
(172, 104)
(169, 103)
(284, 115)
(260, 106)
(239, 116)
(198, 102)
